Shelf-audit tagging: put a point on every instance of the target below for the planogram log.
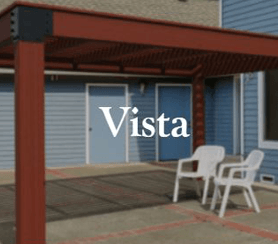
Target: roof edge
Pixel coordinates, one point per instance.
(132, 18)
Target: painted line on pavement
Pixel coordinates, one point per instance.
(225, 222)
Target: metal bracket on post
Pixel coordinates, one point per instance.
(31, 24)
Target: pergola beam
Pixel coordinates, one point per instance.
(55, 49)
(111, 69)
(176, 62)
(125, 58)
(110, 51)
(148, 57)
(123, 29)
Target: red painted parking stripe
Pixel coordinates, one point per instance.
(234, 213)
(197, 217)
(134, 232)
(58, 173)
(229, 213)
(270, 206)
(98, 185)
(227, 223)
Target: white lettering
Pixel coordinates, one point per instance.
(183, 128)
(148, 127)
(161, 126)
(147, 124)
(109, 120)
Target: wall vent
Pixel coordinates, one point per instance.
(269, 179)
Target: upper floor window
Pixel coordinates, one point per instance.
(268, 109)
(271, 105)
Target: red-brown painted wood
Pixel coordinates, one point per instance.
(29, 136)
(198, 113)
(160, 34)
(5, 27)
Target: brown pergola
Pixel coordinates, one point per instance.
(34, 37)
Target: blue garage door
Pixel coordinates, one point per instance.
(219, 113)
(104, 147)
(223, 98)
(64, 123)
(174, 101)
(7, 145)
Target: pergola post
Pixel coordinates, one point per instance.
(198, 113)
(29, 136)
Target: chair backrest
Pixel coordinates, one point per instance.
(208, 157)
(254, 160)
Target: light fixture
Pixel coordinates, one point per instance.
(142, 87)
(248, 76)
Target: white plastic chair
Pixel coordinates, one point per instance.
(249, 167)
(208, 157)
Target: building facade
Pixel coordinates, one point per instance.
(76, 131)
(259, 94)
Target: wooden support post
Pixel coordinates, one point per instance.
(29, 136)
(198, 113)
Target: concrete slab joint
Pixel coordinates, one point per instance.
(31, 24)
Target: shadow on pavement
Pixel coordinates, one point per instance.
(86, 196)
(78, 197)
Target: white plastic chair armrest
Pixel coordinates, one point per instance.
(231, 165)
(184, 160)
(211, 171)
(234, 170)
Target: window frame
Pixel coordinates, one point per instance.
(263, 143)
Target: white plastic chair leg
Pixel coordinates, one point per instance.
(205, 192)
(255, 203)
(214, 197)
(247, 199)
(197, 187)
(219, 193)
(224, 201)
(176, 190)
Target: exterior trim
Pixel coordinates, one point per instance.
(156, 115)
(87, 124)
(234, 115)
(267, 144)
(88, 85)
(220, 6)
(242, 114)
(157, 85)
(80, 73)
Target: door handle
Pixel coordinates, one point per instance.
(90, 129)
